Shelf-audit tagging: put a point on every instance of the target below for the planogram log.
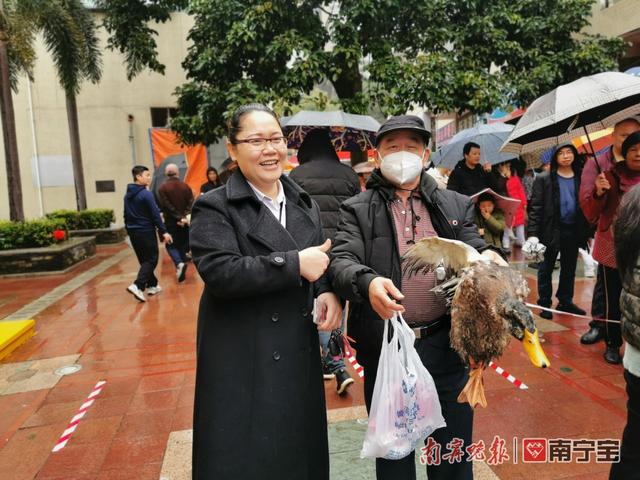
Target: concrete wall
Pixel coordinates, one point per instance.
(104, 127)
(620, 18)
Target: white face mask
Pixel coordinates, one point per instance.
(401, 167)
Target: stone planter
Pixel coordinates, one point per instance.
(103, 235)
(55, 258)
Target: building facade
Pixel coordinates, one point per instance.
(114, 116)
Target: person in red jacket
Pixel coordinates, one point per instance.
(601, 207)
(515, 189)
(605, 161)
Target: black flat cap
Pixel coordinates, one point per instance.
(403, 122)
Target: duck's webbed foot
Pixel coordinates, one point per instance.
(473, 391)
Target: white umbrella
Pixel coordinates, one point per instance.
(584, 106)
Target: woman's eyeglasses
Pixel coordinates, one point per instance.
(261, 143)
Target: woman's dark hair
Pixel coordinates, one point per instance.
(629, 142)
(137, 170)
(468, 146)
(626, 231)
(212, 169)
(233, 125)
(485, 197)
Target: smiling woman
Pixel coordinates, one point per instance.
(258, 246)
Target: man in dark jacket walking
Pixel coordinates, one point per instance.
(142, 218)
(329, 183)
(469, 177)
(402, 205)
(176, 198)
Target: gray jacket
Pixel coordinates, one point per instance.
(630, 306)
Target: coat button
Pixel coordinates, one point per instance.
(278, 259)
(276, 355)
(275, 317)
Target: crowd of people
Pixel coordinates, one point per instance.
(290, 261)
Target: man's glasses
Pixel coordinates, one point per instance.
(261, 143)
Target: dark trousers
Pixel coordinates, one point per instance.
(145, 244)
(629, 466)
(598, 308)
(612, 290)
(450, 376)
(180, 246)
(568, 249)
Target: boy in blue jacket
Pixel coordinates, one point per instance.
(142, 218)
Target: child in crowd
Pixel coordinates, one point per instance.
(490, 220)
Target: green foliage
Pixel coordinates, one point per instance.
(128, 23)
(29, 234)
(85, 219)
(445, 55)
(69, 34)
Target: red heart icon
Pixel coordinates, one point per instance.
(534, 450)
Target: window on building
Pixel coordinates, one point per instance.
(160, 116)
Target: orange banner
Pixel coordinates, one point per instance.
(165, 145)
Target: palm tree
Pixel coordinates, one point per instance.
(16, 55)
(69, 34)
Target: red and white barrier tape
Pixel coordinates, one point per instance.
(553, 310)
(352, 359)
(73, 424)
(510, 378)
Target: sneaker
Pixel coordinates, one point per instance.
(571, 308)
(343, 380)
(154, 290)
(326, 373)
(136, 292)
(181, 272)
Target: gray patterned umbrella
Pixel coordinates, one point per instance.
(584, 106)
(347, 130)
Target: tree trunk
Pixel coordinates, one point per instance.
(76, 153)
(16, 211)
(434, 131)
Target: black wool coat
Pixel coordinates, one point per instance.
(259, 404)
(329, 183)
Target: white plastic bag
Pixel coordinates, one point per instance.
(405, 408)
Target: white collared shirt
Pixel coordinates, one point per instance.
(277, 206)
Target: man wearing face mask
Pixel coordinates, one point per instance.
(402, 205)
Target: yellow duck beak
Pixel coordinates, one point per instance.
(531, 345)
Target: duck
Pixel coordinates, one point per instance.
(487, 302)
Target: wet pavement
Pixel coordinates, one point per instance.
(138, 426)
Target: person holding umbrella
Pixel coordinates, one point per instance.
(469, 177)
(329, 182)
(601, 207)
(557, 225)
(601, 163)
